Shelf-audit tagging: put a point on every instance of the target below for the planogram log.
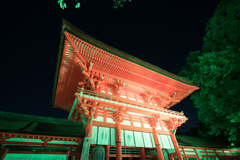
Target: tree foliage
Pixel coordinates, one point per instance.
(223, 28)
(217, 68)
(117, 3)
(201, 131)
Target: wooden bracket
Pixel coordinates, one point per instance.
(173, 123)
(118, 115)
(154, 120)
(118, 85)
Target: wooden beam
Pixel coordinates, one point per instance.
(5, 153)
(141, 111)
(82, 66)
(175, 100)
(73, 106)
(74, 46)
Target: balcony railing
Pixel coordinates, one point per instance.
(131, 102)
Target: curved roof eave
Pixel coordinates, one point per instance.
(66, 26)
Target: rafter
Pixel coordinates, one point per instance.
(74, 46)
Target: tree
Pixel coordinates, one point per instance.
(223, 28)
(179, 133)
(117, 3)
(201, 131)
(217, 68)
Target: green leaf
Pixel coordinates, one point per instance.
(217, 68)
(77, 5)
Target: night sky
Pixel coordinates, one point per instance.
(159, 32)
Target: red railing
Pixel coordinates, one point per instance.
(128, 101)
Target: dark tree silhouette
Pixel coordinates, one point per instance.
(117, 3)
(217, 68)
(179, 133)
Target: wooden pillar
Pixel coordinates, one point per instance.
(87, 140)
(88, 132)
(79, 153)
(118, 141)
(174, 140)
(158, 146)
(5, 153)
(107, 149)
(68, 155)
(142, 153)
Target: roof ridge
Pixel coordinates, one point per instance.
(86, 37)
(35, 118)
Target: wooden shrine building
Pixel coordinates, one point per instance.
(122, 101)
(118, 108)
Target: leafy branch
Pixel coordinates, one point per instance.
(117, 3)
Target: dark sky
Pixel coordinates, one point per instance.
(159, 32)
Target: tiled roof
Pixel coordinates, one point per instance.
(29, 124)
(198, 142)
(107, 59)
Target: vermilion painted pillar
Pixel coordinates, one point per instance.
(118, 141)
(68, 155)
(87, 140)
(142, 153)
(176, 145)
(88, 131)
(78, 156)
(5, 153)
(158, 146)
(79, 153)
(107, 148)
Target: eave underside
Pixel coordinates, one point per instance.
(114, 64)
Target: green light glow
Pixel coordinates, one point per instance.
(63, 142)
(34, 156)
(24, 140)
(77, 5)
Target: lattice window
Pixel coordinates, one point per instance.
(136, 121)
(109, 90)
(123, 94)
(155, 102)
(135, 118)
(103, 89)
(126, 117)
(100, 112)
(139, 98)
(131, 96)
(145, 119)
(132, 151)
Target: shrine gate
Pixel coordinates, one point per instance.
(122, 101)
(118, 108)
